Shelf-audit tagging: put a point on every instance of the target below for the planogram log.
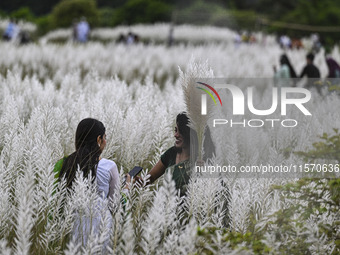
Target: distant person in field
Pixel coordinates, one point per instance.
(285, 42)
(245, 37)
(132, 38)
(252, 38)
(310, 70)
(24, 37)
(297, 43)
(11, 32)
(237, 40)
(286, 69)
(333, 67)
(316, 43)
(83, 30)
(312, 73)
(284, 74)
(121, 38)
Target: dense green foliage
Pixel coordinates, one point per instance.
(202, 13)
(314, 13)
(24, 13)
(143, 11)
(45, 24)
(38, 7)
(68, 11)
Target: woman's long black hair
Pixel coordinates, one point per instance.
(87, 151)
(191, 139)
(285, 60)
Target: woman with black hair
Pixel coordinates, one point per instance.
(284, 61)
(90, 143)
(286, 69)
(282, 77)
(177, 158)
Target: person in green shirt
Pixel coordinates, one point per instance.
(177, 158)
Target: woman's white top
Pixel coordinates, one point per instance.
(108, 184)
(107, 178)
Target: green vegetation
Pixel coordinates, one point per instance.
(328, 148)
(44, 24)
(314, 13)
(64, 13)
(24, 13)
(312, 199)
(310, 203)
(143, 11)
(203, 13)
(283, 16)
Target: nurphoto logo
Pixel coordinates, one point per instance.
(279, 97)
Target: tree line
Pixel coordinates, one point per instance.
(236, 14)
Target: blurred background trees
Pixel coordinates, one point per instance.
(250, 15)
(66, 11)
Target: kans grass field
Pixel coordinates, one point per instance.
(46, 88)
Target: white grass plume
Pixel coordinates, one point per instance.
(192, 97)
(4, 249)
(161, 216)
(25, 213)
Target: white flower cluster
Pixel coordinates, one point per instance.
(54, 62)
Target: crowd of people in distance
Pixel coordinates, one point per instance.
(244, 37)
(310, 70)
(80, 30)
(286, 42)
(130, 38)
(283, 40)
(13, 33)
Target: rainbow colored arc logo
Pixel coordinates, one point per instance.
(209, 93)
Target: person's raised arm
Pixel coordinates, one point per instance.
(157, 171)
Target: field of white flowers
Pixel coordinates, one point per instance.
(46, 89)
